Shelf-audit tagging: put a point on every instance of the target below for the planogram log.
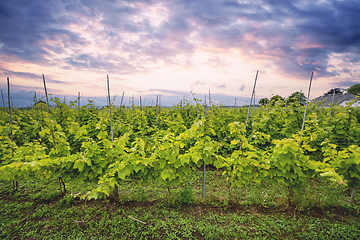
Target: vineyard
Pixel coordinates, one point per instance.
(234, 172)
(168, 144)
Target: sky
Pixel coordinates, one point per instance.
(176, 48)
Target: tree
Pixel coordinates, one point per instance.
(263, 101)
(336, 90)
(296, 97)
(276, 98)
(355, 89)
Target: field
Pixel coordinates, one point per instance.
(76, 173)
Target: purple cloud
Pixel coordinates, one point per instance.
(297, 36)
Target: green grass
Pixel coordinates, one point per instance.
(253, 211)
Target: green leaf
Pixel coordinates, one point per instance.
(165, 174)
(102, 135)
(123, 173)
(79, 164)
(107, 143)
(218, 164)
(196, 156)
(184, 159)
(93, 194)
(208, 148)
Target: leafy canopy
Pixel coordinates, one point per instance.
(263, 101)
(355, 89)
(297, 97)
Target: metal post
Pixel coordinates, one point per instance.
(11, 132)
(140, 104)
(332, 102)
(2, 95)
(48, 105)
(252, 95)
(46, 95)
(307, 101)
(252, 126)
(157, 102)
(36, 107)
(302, 127)
(111, 127)
(122, 98)
(79, 108)
(204, 166)
(209, 100)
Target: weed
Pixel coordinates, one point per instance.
(185, 195)
(139, 194)
(66, 201)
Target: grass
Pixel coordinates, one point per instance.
(253, 211)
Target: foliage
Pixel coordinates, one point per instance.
(355, 89)
(276, 99)
(167, 146)
(297, 98)
(334, 91)
(185, 195)
(263, 101)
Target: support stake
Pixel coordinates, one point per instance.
(111, 127)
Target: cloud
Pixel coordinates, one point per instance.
(220, 86)
(199, 83)
(344, 84)
(26, 26)
(128, 37)
(9, 73)
(242, 88)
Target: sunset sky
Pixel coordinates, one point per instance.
(169, 48)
